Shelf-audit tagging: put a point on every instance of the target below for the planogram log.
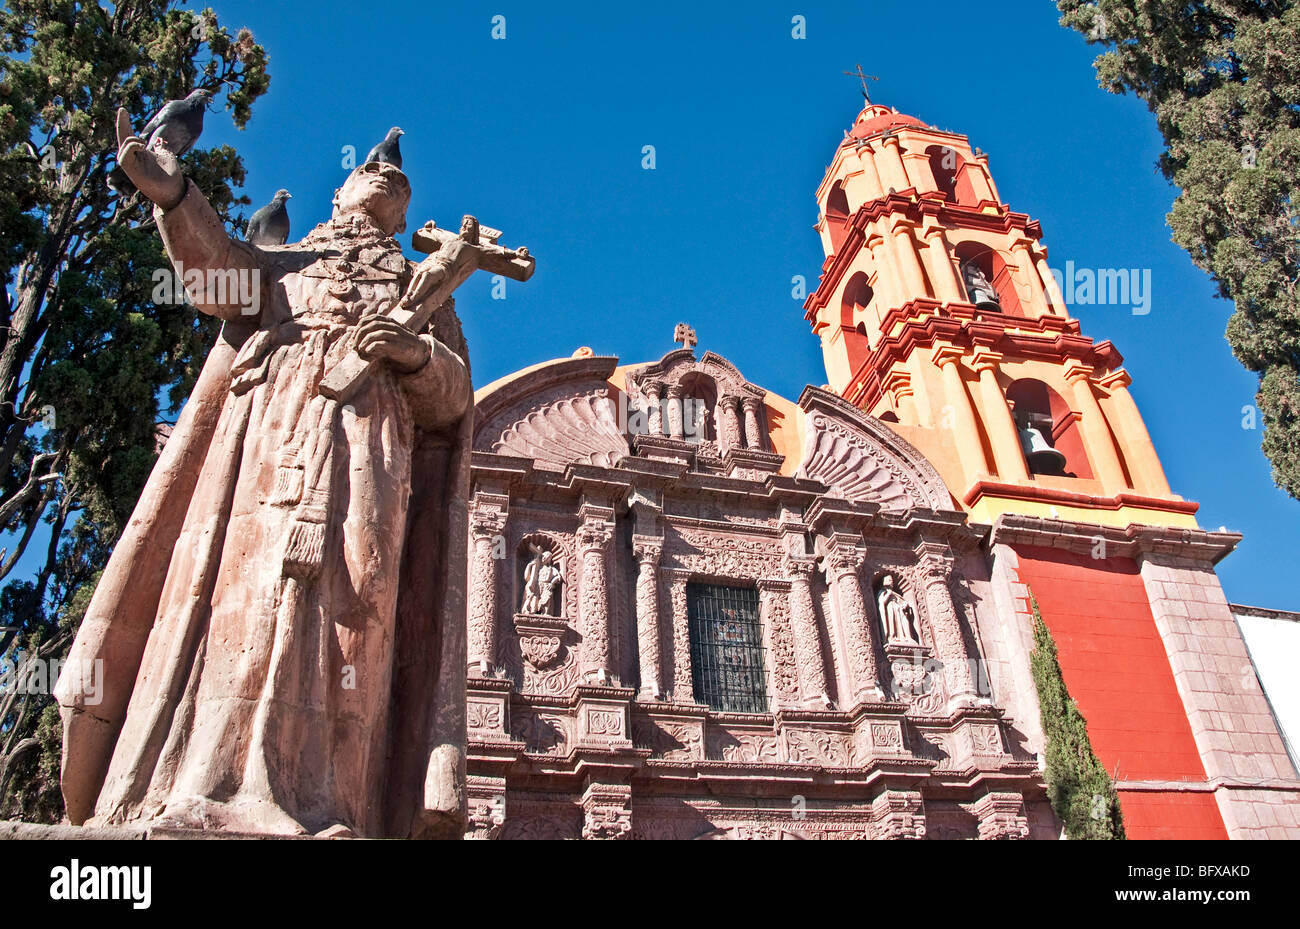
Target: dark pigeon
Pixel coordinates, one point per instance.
(177, 125)
(270, 224)
(387, 151)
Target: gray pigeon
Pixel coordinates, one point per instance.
(179, 123)
(270, 224)
(387, 150)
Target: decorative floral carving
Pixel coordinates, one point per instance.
(481, 715)
(843, 564)
(540, 651)
(747, 748)
(832, 749)
(593, 596)
(776, 620)
(541, 733)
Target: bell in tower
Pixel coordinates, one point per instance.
(979, 289)
(1041, 456)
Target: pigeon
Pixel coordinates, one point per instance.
(177, 125)
(270, 224)
(387, 150)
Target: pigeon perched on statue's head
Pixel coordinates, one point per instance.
(388, 151)
(270, 224)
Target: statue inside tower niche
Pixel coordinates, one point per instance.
(896, 614)
(542, 577)
(979, 290)
(283, 620)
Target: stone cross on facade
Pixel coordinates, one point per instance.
(685, 335)
(863, 77)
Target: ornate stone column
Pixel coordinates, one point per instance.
(1096, 434)
(607, 811)
(909, 262)
(683, 680)
(654, 414)
(729, 422)
(843, 562)
(889, 282)
(782, 668)
(753, 432)
(1025, 263)
(807, 637)
(675, 411)
(936, 563)
(1055, 297)
(1144, 464)
(648, 550)
(964, 427)
(898, 814)
(890, 163)
(1002, 816)
(947, 285)
(487, 523)
(1003, 436)
(594, 536)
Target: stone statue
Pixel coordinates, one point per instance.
(896, 615)
(283, 621)
(544, 573)
(978, 288)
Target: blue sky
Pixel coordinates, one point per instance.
(541, 135)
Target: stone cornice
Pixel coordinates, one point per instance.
(1135, 541)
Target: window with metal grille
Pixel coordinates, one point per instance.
(726, 648)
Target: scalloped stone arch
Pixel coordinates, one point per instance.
(860, 459)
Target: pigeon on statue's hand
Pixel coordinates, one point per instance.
(388, 151)
(176, 127)
(270, 224)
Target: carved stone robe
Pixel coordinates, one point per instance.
(282, 623)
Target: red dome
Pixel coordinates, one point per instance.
(875, 118)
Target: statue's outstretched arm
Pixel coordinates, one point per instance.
(223, 277)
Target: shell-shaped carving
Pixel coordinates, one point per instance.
(856, 468)
(574, 430)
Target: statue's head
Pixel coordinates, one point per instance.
(547, 557)
(379, 190)
(887, 581)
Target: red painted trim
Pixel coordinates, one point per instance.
(1069, 498)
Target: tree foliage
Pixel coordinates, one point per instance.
(1080, 790)
(90, 365)
(1223, 80)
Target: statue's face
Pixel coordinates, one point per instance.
(379, 190)
(546, 557)
(887, 580)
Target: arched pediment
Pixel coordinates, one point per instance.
(860, 459)
(557, 414)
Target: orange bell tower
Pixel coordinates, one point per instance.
(938, 313)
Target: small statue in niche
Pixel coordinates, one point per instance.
(896, 614)
(979, 289)
(542, 576)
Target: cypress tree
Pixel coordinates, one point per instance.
(1222, 78)
(1080, 790)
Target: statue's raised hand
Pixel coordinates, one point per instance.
(155, 172)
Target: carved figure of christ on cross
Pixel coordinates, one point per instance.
(453, 258)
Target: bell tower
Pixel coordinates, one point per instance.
(938, 313)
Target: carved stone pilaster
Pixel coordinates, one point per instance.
(648, 551)
(807, 637)
(729, 422)
(683, 682)
(936, 564)
(898, 814)
(674, 411)
(487, 806)
(487, 523)
(653, 391)
(607, 812)
(774, 608)
(1002, 816)
(843, 565)
(594, 536)
(753, 432)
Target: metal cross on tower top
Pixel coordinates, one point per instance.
(685, 335)
(863, 77)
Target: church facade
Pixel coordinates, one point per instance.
(701, 610)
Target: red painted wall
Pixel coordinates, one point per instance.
(1115, 667)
